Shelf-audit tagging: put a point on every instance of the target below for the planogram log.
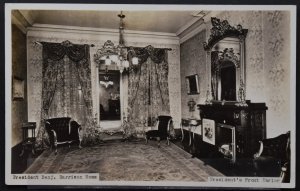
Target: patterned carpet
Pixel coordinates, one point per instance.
(126, 161)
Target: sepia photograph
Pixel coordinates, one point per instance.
(150, 95)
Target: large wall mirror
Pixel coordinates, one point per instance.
(226, 54)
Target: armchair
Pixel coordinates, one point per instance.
(163, 128)
(273, 157)
(62, 130)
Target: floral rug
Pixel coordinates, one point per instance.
(126, 161)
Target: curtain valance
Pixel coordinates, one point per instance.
(157, 55)
(56, 51)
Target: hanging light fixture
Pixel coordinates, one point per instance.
(110, 54)
(106, 82)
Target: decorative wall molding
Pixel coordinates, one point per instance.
(20, 21)
(20, 26)
(44, 30)
(190, 29)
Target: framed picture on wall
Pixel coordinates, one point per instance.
(18, 88)
(209, 131)
(192, 84)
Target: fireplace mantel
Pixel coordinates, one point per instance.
(249, 122)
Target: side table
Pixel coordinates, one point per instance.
(191, 124)
(28, 137)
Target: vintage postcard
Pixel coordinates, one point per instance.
(150, 95)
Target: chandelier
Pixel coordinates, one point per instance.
(106, 82)
(110, 54)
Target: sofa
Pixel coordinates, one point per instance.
(62, 130)
(273, 157)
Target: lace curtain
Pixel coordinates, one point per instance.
(148, 88)
(68, 98)
(66, 85)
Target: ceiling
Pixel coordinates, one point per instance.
(153, 21)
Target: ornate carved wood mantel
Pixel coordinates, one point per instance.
(249, 122)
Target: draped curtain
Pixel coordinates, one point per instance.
(66, 85)
(68, 99)
(148, 94)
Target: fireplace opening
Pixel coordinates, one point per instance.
(226, 141)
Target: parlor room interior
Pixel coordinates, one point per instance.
(151, 95)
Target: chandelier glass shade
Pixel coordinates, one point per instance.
(106, 82)
(110, 54)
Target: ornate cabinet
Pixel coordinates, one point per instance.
(249, 122)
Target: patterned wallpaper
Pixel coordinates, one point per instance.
(277, 69)
(267, 63)
(34, 61)
(174, 85)
(193, 61)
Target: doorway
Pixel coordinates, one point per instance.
(109, 99)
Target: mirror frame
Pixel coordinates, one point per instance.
(219, 31)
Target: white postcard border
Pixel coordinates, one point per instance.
(8, 84)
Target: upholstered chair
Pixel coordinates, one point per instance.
(62, 130)
(163, 129)
(273, 157)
